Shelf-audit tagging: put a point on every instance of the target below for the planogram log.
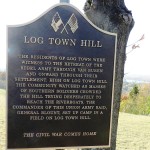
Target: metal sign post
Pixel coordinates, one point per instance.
(64, 1)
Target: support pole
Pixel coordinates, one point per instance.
(64, 1)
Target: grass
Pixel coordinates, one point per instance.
(2, 119)
(133, 130)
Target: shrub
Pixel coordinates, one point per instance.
(137, 101)
(2, 80)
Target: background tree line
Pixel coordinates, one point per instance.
(137, 100)
(2, 80)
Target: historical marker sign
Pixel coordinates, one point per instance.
(60, 82)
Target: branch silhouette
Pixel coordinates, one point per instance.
(134, 45)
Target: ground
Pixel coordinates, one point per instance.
(133, 130)
(2, 119)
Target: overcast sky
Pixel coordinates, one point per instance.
(22, 11)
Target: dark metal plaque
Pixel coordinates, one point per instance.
(60, 82)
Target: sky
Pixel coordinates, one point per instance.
(17, 12)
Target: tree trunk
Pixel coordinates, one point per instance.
(113, 16)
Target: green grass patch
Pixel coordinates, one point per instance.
(2, 119)
(2, 92)
(133, 132)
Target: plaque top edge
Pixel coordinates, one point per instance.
(67, 5)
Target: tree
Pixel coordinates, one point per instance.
(137, 101)
(2, 75)
(2, 80)
(134, 92)
(113, 16)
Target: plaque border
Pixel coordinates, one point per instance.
(113, 83)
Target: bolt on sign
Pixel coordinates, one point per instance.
(60, 82)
